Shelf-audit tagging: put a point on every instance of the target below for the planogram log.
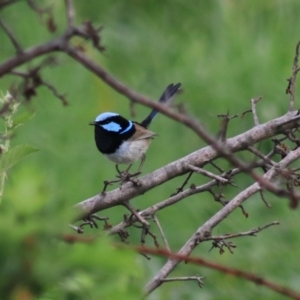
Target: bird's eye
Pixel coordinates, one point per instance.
(112, 126)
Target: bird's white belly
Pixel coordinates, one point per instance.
(129, 152)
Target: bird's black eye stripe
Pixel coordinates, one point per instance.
(116, 124)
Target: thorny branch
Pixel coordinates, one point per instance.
(204, 230)
(251, 232)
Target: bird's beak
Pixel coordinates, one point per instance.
(92, 123)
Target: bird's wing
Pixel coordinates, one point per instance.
(141, 133)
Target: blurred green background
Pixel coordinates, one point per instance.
(224, 53)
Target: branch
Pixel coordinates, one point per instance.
(292, 80)
(197, 278)
(5, 3)
(207, 227)
(207, 173)
(29, 54)
(150, 211)
(70, 13)
(155, 219)
(11, 37)
(261, 155)
(253, 108)
(251, 232)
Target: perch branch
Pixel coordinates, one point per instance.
(179, 167)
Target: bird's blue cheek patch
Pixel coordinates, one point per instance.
(127, 128)
(112, 126)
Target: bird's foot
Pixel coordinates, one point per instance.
(125, 176)
(122, 177)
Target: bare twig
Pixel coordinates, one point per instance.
(264, 200)
(180, 189)
(253, 109)
(70, 13)
(207, 173)
(155, 219)
(216, 166)
(251, 232)
(136, 214)
(197, 278)
(34, 75)
(245, 112)
(55, 92)
(5, 3)
(11, 36)
(224, 126)
(261, 155)
(292, 80)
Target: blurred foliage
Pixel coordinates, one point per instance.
(11, 155)
(224, 52)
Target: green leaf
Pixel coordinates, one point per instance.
(14, 155)
(22, 118)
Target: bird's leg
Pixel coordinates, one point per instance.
(123, 176)
(129, 176)
(127, 170)
(142, 163)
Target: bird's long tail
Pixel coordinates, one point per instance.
(170, 91)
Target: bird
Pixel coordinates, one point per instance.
(124, 141)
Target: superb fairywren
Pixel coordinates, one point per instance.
(123, 141)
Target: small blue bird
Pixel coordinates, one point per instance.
(123, 141)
